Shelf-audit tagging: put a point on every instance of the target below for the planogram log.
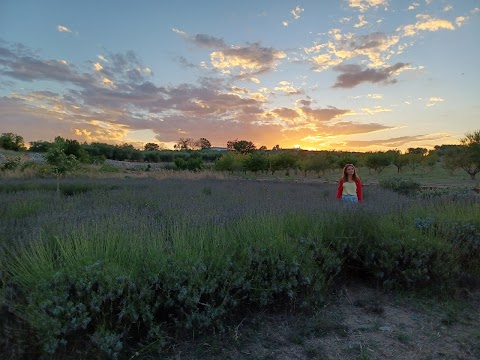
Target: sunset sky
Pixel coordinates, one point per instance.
(354, 75)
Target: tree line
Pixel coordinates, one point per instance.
(243, 155)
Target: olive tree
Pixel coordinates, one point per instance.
(466, 156)
(61, 163)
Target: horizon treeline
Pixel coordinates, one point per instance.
(243, 155)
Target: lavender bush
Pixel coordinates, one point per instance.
(117, 262)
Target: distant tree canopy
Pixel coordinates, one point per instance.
(191, 144)
(244, 155)
(11, 141)
(151, 147)
(241, 146)
(418, 151)
(204, 144)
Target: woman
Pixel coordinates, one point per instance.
(350, 186)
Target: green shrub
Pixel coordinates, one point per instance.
(11, 163)
(401, 186)
(109, 168)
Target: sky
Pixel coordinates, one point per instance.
(351, 75)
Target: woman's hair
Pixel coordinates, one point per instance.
(345, 175)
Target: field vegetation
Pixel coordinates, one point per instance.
(125, 260)
(126, 265)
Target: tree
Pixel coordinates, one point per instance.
(378, 161)
(283, 161)
(347, 159)
(316, 163)
(184, 144)
(241, 146)
(39, 146)
(466, 156)
(151, 147)
(430, 160)
(61, 163)
(255, 162)
(203, 144)
(11, 141)
(418, 151)
(399, 160)
(414, 160)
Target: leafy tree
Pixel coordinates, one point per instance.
(414, 160)
(225, 163)
(430, 160)
(283, 161)
(203, 144)
(255, 162)
(152, 156)
(192, 164)
(61, 163)
(378, 161)
(100, 150)
(466, 156)
(241, 146)
(418, 151)
(11, 141)
(315, 163)
(11, 163)
(185, 144)
(399, 160)
(151, 147)
(39, 146)
(262, 148)
(347, 159)
(127, 152)
(73, 147)
(230, 161)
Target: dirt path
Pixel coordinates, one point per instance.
(358, 323)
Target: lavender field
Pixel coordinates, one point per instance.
(114, 264)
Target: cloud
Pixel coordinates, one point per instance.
(377, 47)
(286, 113)
(287, 88)
(425, 23)
(115, 95)
(413, 6)
(62, 28)
(22, 65)
(202, 40)
(434, 100)
(296, 12)
(251, 60)
(376, 109)
(322, 114)
(361, 21)
(364, 5)
(242, 61)
(353, 75)
(392, 142)
(461, 20)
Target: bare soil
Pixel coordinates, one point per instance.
(358, 322)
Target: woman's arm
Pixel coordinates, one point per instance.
(359, 190)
